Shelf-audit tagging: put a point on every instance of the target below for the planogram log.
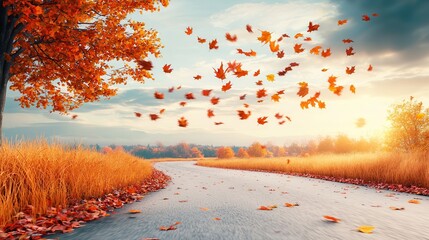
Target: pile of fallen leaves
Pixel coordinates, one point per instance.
(62, 220)
(385, 186)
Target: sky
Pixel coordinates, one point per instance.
(395, 43)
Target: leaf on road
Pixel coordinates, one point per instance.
(265, 208)
(289, 205)
(332, 219)
(216, 219)
(366, 229)
(397, 208)
(134, 211)
(414, 201)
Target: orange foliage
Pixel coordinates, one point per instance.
(225, 152)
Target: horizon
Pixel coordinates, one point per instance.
(398, 55)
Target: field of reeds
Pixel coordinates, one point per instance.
(405, 169)
(44, 174)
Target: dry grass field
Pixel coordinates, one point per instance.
(406, 169)
(42, 175)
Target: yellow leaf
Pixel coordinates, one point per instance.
(365, 229)
(270, 77)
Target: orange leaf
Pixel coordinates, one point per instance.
(261, 93)
(365, 18)
(349, 51)
(153, 117)
(369, 68)
(303, 89)
(281, 54)
(275, 97)
(315, 50)
(134, 211)
(210, 113)
(189, 96)
(352, 88)
(243, 115)
(350, 70)
(326, 53)
(298, 35)
(262, 120)
(206, 92)
(188, 31)
(201, 40)
(227, 86)
(348, 40)
(265, 37)
(182, 122)
(332, 219)
(249, 28)
(220, 72)
(274, 47)
(298, 48)
(213, 44)
(414, 201)
(265, 208)
(342, 22)
(312, 27)
(231, 38)
(197, 77)
(257, 73)
(158, 95)
(290, 205)
(167, 68)
(214, 100)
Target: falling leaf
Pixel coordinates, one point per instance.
(218, 123)
(348, 40)
(298, 48)
(342, 22)
(170, 90)
(280, 54)
(414, 201)
(315, 50)
(167, 68)
(206, 92)
(162, 111)
(350, 70)
(265, 37)
(153, 117)
(332, 219)
(74, 116)
(210, 113)
(213, 45)
(249, 28)
(214, 100)
(308, 39)
(324, 69)
(158, 95)
(259, 83)
(303, 89)
(257, 73)
(270, 77)
(275, 97)
(137, 114)
(189, 96)
(227, 86)
(352, 88)
(298, 35)
(282, 122)
(182, 104)
(312, 27)
(183, 122)
(243, 115)
(349, 51)
(201, 40)
(365, 18)
(326, 53)
(369, 68)
(274, 47)
(188, 31)
(243, 97)
(261, 93)
(220, 72)
(262, 120)
(366, 229)
(278, 116)
(231, 38)
(197, 77)
(146, 65)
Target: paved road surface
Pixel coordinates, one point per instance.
(197, 195)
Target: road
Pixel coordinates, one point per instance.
(197, 195)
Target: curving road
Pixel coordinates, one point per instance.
(197, 195)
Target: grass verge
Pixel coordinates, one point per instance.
(400, 172)
(43, 176)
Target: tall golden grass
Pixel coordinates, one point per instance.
(41, 174)
(406, 169)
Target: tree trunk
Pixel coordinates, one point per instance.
(9, 29)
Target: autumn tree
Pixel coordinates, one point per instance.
(59, 53)
(196, 153)
(326, 145)
(257, 150)
(225, 152)
(409, 126)
(343, 144)
(242, 153)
